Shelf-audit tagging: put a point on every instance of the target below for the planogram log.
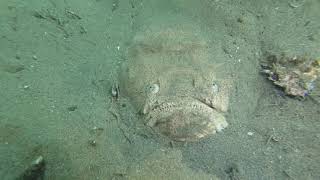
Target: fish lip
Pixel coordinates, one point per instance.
(207, 103)
(168, 108)
(166, 117)
(183, 102)
(186, 100)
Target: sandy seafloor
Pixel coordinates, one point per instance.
(58, 61)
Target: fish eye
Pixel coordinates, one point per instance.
(215, 87)
(153, 88)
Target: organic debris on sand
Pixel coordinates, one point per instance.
(296, 75)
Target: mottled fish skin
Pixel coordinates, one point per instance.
(171, 79)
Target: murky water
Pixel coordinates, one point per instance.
(60, 60)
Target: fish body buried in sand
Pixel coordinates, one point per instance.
(173, 81)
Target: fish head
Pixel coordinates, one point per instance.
(176, 85)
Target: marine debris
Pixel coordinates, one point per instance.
(115, 91)
(35, 171)
(295, 75)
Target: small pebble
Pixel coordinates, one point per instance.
(26, 87)
(250, 133)
(93, 143)
(72, 108)
(18, 56)
(240, 20)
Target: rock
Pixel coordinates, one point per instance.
(296, 76)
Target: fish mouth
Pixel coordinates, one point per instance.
(186, 119)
